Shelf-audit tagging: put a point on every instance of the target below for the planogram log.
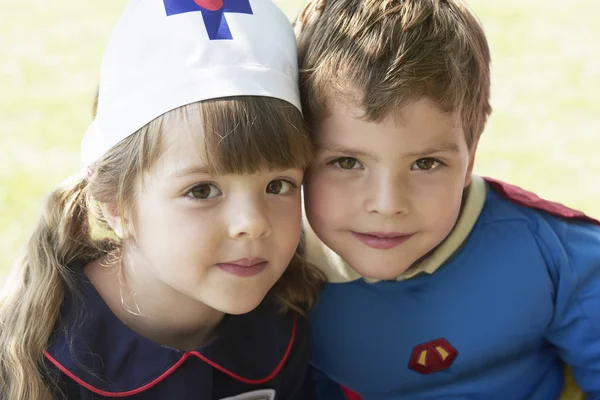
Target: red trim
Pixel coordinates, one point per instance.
(350, 395)
(89, 387)
(253, 381)
(168, 372)
(531, 200)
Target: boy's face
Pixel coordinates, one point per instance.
(383, 195)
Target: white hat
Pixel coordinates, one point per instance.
(164, 54)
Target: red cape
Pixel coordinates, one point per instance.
(531, 200)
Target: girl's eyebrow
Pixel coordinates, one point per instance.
(194, 169)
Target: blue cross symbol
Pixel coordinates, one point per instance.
(213, 13)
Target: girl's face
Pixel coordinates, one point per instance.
(221, 240)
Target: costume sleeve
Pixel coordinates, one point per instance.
(574, 264)
(298, 384)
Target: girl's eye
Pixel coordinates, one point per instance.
(279, 186)
(347, 163)
(204, 191)
(425, 164)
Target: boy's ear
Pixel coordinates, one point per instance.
(113, 218)
(472, 152)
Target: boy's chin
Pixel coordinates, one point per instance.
(380, 271)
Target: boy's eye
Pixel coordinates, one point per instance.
(204, 191)
(425, 164)
(346, 162)
(279, 186)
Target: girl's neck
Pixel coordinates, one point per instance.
(151, 308)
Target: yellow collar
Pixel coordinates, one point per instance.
(337, 270)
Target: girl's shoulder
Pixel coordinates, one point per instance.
(92, 350)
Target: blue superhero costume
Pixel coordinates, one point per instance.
(497, 319)
(261, 355)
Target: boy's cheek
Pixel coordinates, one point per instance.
(322, 202)
(325, 188)
(318, 199)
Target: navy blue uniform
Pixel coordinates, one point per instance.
(260, 355)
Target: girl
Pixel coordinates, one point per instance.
(160, 273)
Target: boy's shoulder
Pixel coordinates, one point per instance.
(507, 202)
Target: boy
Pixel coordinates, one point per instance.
(451, 286)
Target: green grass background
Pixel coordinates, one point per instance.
(543, 134)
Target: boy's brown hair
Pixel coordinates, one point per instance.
(381, 55)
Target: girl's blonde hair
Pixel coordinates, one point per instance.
(242, 135)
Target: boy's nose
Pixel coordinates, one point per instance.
(387, 197)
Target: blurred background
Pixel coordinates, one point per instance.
(543, 133)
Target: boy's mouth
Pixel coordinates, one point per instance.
(382, 240)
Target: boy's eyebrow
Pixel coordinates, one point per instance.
(347, 151)
(437, 148)
(195, 169)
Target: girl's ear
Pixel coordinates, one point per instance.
(111, 214)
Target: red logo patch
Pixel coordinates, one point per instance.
(433, 356)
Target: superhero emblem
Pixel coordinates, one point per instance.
(213, 13)
(433, 356)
